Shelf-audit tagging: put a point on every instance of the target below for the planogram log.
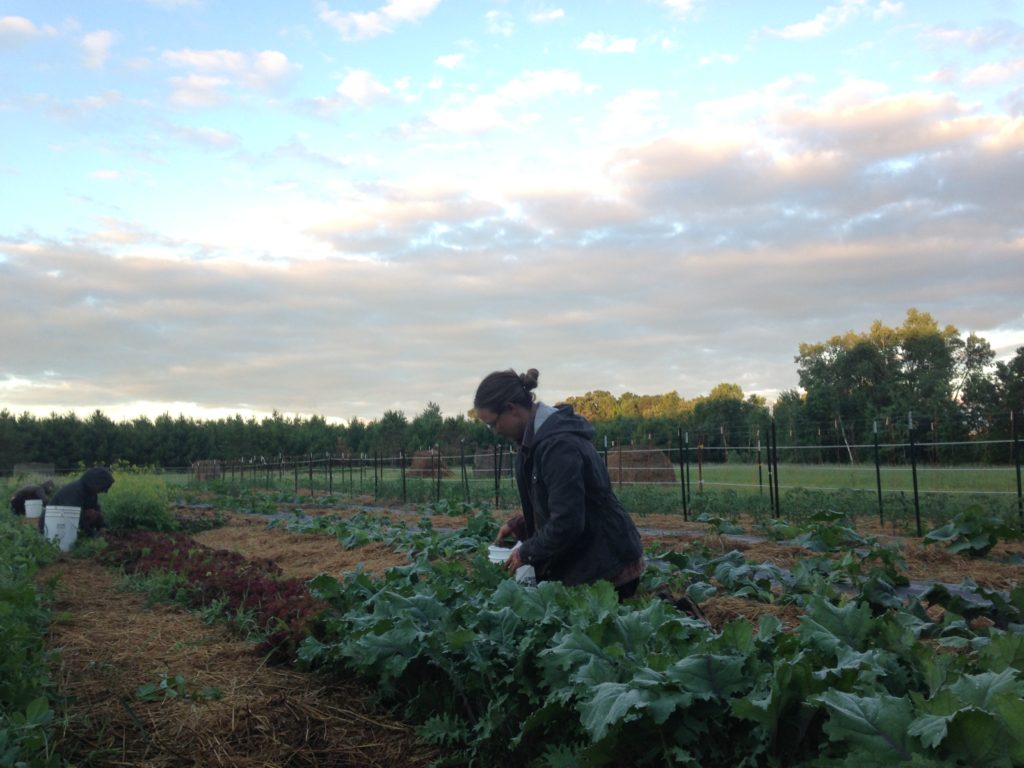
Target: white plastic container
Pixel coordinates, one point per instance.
(498, 554)
(61, 525)
(525, 574)
(34, 509)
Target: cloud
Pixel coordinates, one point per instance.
(17, 30)
(451, 61)
(365, 25)
(680, 7)
(833, 17)
(495, 110)
(85, 107)
(982, 38)
(602, 44)
(96, 48)
(635, 114)
(499, 23)
(995, 74)
(209, 138)
(546, 17)
(717, 58)
(213, 71)
(198, 90)
(360, 88)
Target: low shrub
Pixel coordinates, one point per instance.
(138, 502)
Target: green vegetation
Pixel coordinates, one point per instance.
(138, 501)
(550, 676)
(26, 689)
(974, 532)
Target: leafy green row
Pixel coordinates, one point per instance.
(555, 676)
(26, 688)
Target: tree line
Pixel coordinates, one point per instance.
(883, 381)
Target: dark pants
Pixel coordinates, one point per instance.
(628, 589)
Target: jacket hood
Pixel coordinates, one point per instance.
(98, 479)
(564, 420)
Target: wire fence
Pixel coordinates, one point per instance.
(678, 478)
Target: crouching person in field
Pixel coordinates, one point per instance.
(573, 527)
(84, 494)
(41, 492)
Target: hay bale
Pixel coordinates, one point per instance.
(640, 465)
(483, 463)
(424, 464)
(34, 468)
(207, 469)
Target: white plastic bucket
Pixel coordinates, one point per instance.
(61, 525)
(33, 509)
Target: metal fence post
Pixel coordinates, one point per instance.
(775, 460)
(682, 475)
(1016, 460)
(878, 474)
(913, 472)
(401, 461)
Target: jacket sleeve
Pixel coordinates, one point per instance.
(561, 473)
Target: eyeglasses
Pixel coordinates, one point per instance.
(494, 422)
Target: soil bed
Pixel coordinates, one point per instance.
(111, 644)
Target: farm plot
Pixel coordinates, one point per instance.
(812, 651)
(156, 686)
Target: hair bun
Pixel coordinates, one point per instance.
(529, 379)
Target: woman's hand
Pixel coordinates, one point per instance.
(514, 562)
(503, 533)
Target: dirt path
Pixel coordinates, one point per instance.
(110, 643)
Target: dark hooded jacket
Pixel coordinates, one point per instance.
(30, 492)
(577, 530)
(83, 492)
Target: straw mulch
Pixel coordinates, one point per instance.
(110, 643)
(300, 555)
(722, 609)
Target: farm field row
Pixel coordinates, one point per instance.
(808, 636)
(364, 624)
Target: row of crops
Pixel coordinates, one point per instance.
(27, 691)
(499, 674)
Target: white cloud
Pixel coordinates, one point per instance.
(17, 30)
(601, 43)
(888, 8)
(635, 114)
(355, 25)
(832, 17)
(263, 71)
(679, 7)
(499, 23)
(993, 74)
(212, 138)
(717, 58)
(106, 175)
(545, 17)
(493, 110)
(198, 90)
(361, 88)
(96, 48)
(451, 61)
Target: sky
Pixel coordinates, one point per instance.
(331, 208)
